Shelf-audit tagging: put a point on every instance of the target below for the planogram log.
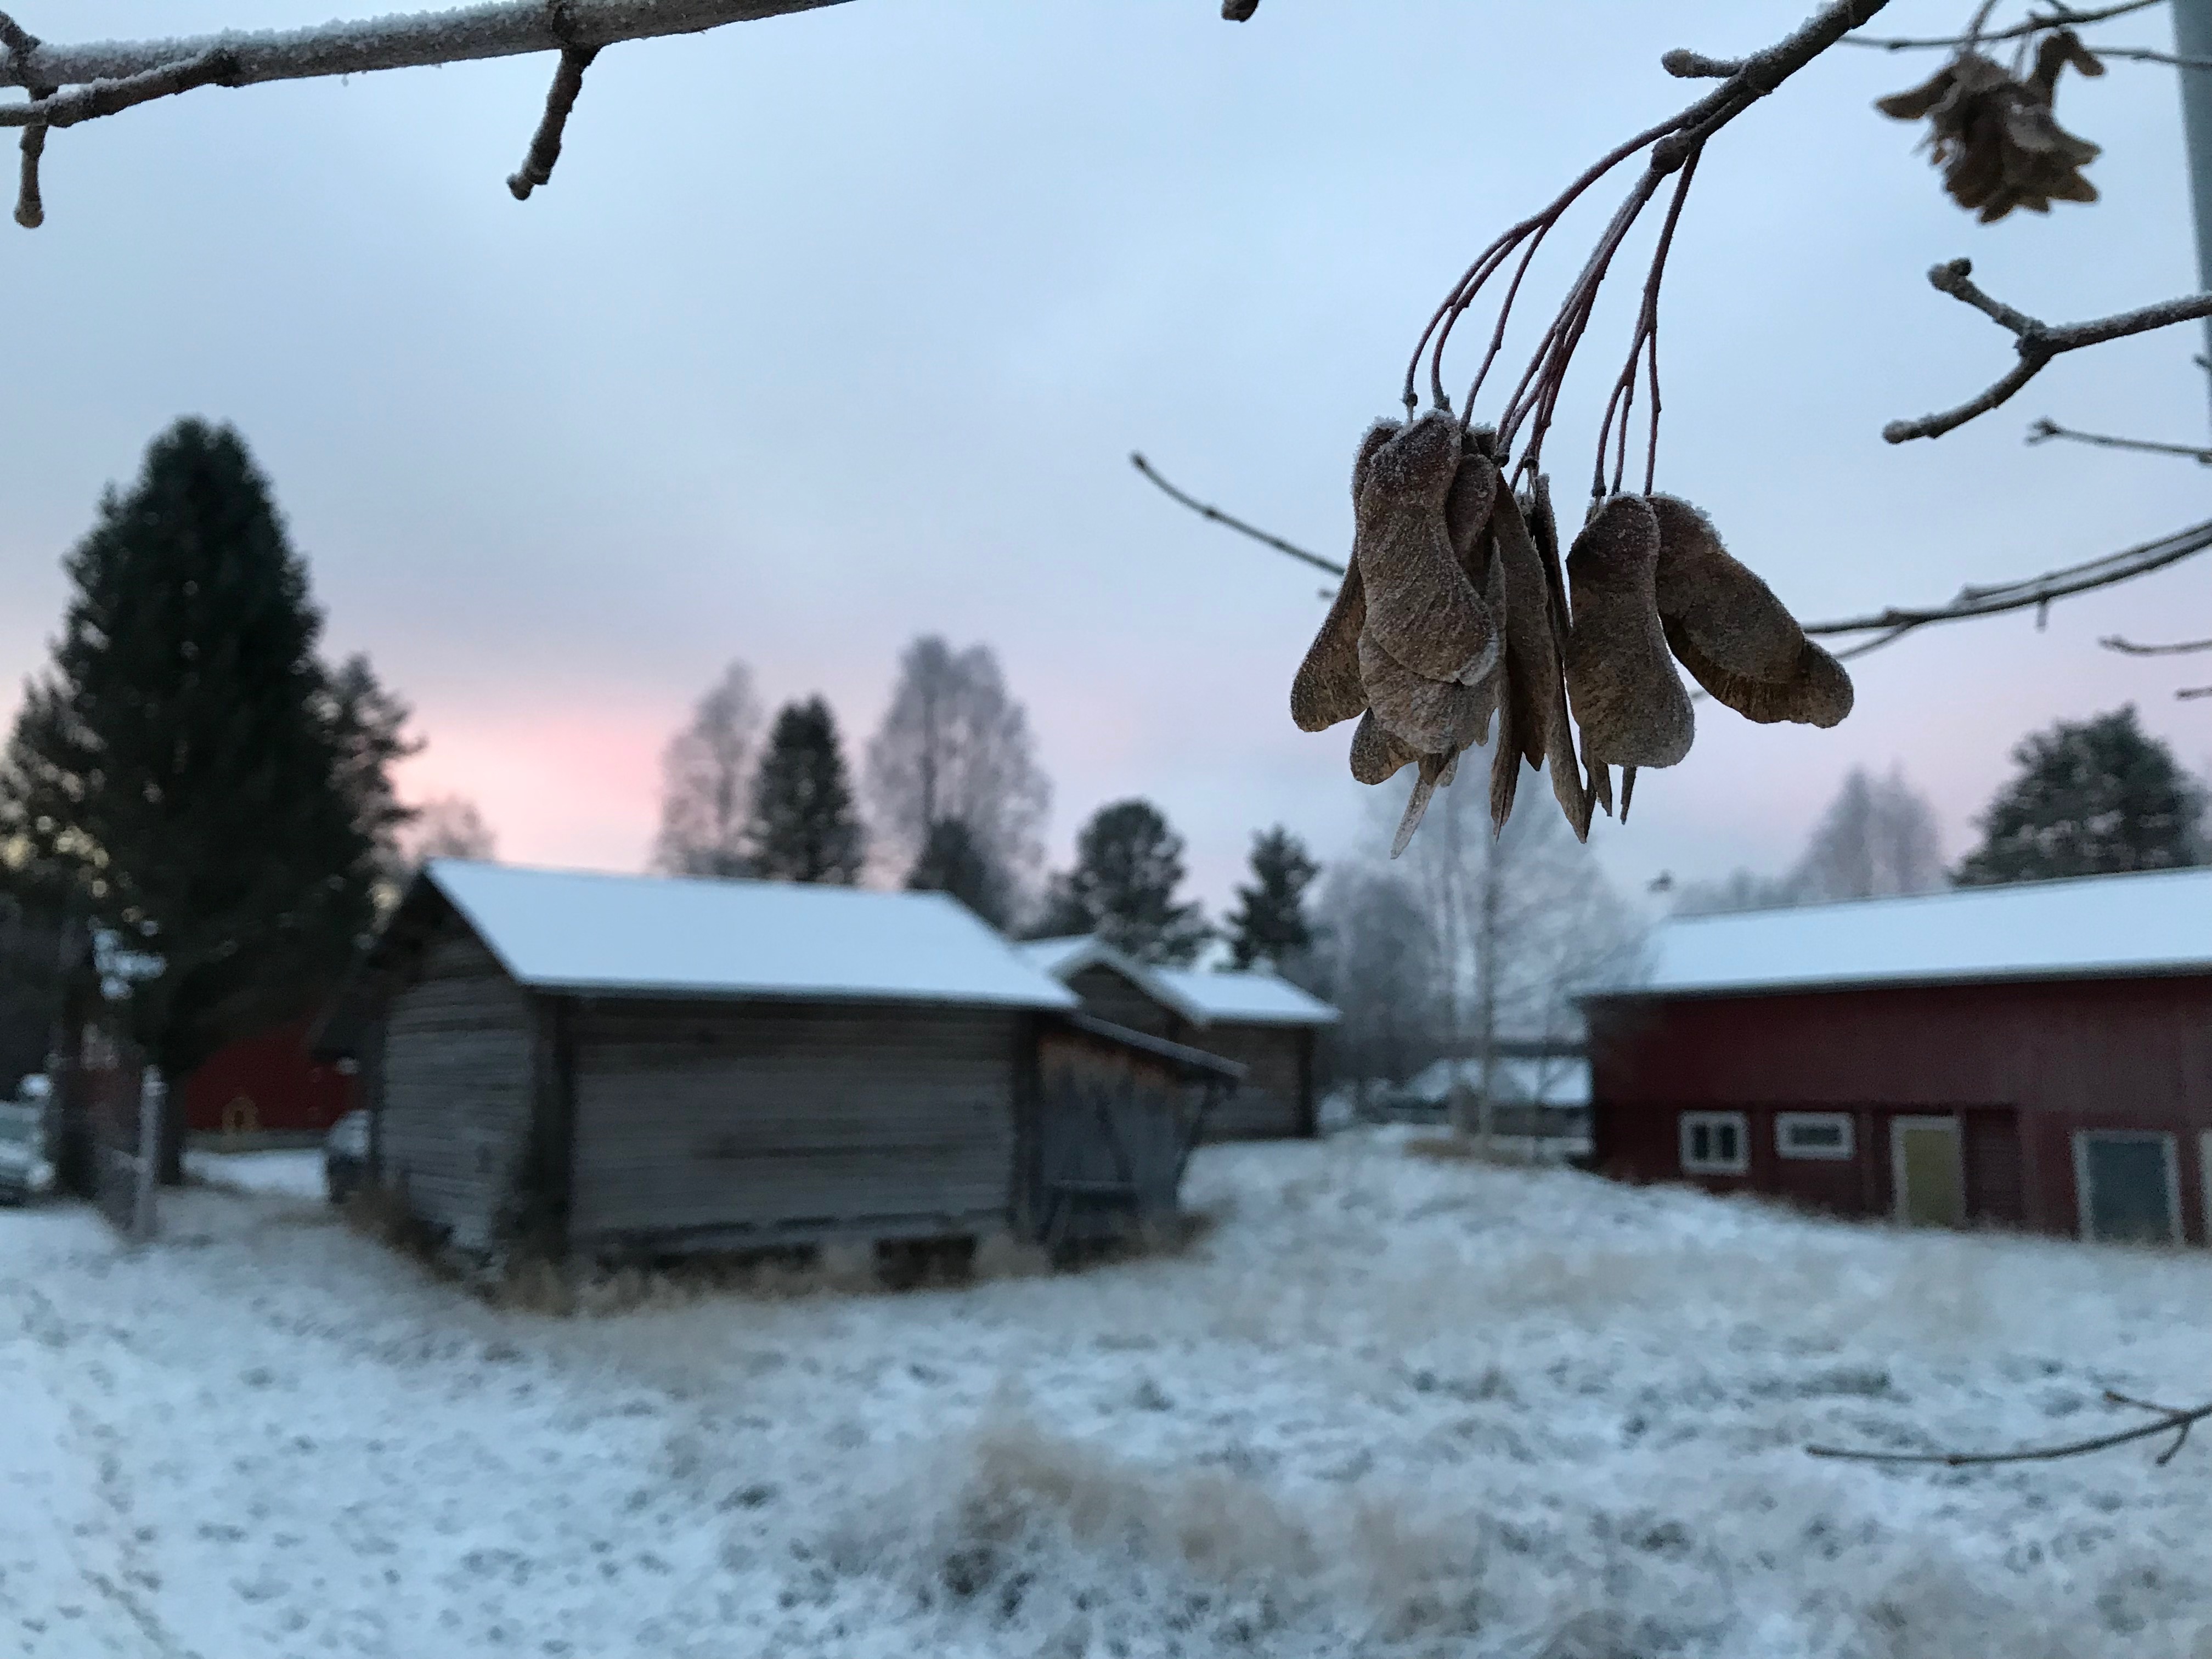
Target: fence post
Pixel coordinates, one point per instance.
(153, 1095)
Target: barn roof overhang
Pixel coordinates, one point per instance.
(1195, 1064)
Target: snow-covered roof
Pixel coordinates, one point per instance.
(1203, 997)
(1245, 998)
(1562, 1082)
(571, 931)
(2095, 926)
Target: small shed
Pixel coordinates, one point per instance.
(606, 1066)
(2037, 1056)
(1260, 1020)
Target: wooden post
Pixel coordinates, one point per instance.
(153, 1097)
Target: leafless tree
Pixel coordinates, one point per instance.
(449, 827)
(1877, 839)
(1376, 959)
(1525, 921)
(706, 797)
(954, 747)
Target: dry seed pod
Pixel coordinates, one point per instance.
(1327, 688)
(1817, 693)
(1995, 136)
(1718, 601)
(1435, 774)
(1504, 761)
(1466, 514)
(1421, 606)
(1376, 755)
(1428, 715)
(1542, 733)
(1626, 695)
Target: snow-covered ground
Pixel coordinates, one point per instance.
(1387, 1406)
(287, 1173)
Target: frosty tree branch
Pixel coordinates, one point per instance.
(2171, 1420)
(2057, 17)
(1885, 626)
(2045, 430)
(2037, 343)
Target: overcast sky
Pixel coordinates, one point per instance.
(835, 328)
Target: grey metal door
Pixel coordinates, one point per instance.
(2128, 1186)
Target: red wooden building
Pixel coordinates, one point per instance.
(2037, 1056)
(266, 1084)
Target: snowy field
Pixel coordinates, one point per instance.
(1386, 1406)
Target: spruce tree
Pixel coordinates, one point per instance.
(954, 861)
(2090, 798)
(189, 769)
(1269, 922)
(804, 826)
(1128, 864)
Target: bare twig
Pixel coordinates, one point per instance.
(2037, 342)
(88, 103)
(2151, 55)
(2043, 430)
(1670, 145)
(2032, 592)
(1218, 516)
(2171, 1419)
(545, 144)
(2190, 693)
(2060, 17)
(30, 210)
(2127, 648)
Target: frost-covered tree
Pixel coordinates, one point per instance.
(449, 827)
(189, 772)
(954, 747)
(1877, 839)
(707, 780)
(804, 826)
(1128, 869)
(2091, 798)
(1376, 959)
(1269, 924)
(951, 862)
(1525, 922)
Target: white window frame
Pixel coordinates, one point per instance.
(1691, 1121)
(2168, 1142)
(1842, 1152)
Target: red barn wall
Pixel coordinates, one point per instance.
(266, 1082)
(2051, 1057)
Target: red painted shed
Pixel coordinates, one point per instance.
(2036, 1056)
(266, 1084)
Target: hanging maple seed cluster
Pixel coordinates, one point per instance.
(1992, 131)
(1455, 611)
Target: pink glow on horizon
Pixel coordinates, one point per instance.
(571, 785)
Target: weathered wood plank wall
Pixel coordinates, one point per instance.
(457, 1089)
(789, 1118)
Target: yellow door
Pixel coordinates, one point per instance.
(1931, 1180)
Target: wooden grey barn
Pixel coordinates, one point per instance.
(600, 1064)
(1262, 1022)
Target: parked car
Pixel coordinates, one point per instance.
(345, 1157)
(25, 1171)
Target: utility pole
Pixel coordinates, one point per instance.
(2192, 39)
